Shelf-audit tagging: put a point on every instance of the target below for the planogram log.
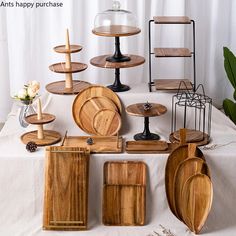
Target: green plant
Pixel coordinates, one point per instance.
(230, 68)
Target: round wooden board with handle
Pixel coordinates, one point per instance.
(197, 195)
(186, 169)
(50, 137)
(107, 122)
(90, 92)
(88, 110)
(175, 158)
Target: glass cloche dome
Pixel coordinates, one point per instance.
(115, 22)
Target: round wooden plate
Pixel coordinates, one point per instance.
(58, 87)
(89, 109)
(101, 61)
(116, 30)
(93, 91)
(50, 137)
(107, 122)
(205, 141)
(192, 136)
(46, 118)
(63, 49)
(61, 67)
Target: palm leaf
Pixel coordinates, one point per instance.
(230, 109)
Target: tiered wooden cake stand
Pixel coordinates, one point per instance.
(40, 136)
(118, 60)
(67, 86)
(138, 110)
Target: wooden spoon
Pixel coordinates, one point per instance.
(197, 195)
(175, 158)
(186, 169)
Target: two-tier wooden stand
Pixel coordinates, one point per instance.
(40, 136)
(118, 60)
(138, 110)
(67, 86)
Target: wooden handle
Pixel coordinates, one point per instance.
(69, 81)
(39, 110)
(68, 57)
(67, 39)
(40, 132)
(182, 134)
(191, 149)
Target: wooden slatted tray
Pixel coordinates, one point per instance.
(66, 188)
(171, 20)
(100, 144)
(124, 193)
(151, 146)
(172, 52)
(172, 84)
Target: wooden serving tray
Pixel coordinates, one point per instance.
(61, 67)
(124, 193)
(151, 146)
(100, 144)
(66, 188)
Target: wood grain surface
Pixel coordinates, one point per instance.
(66, 188)
(106, 122)
(197, 195)
(50, 137)
(100, 144)
(171, 20)
(90, 92)
(63, 49)
(89, 109)
(101, 61)
(148, 147)
(59, 87)
(46, 118)
(124, 193)
(175, 158)
(61, 67)
(138, 110)
(172, 52)
(185, 170)
(116, 30)
(191, 135)
(172, 84)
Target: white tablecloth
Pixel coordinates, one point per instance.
(22, 173)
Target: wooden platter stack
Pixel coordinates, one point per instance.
(66, 188)
(124, 193)
(97, 110)
(40, 136)
(188, 184)
(67, 86)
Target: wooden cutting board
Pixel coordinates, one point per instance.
(175, 158)
(185, 170)
(89, 109)
(197, 195)
(124, 193)
(66, 188)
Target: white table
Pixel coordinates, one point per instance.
(22, 173)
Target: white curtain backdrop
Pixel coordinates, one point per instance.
(27, 38)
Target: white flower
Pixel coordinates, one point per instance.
(22, 94)
(33, 88)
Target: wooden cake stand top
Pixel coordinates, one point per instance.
(63, 49)
(100, 61)
(116, 31)
(61, 67)
(138, 110)
(46, 118)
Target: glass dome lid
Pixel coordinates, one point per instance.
(115, 22)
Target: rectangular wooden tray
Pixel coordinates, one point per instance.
(100, 144)
(152, 146)
(66, 188)
(124, 193)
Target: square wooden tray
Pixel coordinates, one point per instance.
(124, 193)
(66, 188)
